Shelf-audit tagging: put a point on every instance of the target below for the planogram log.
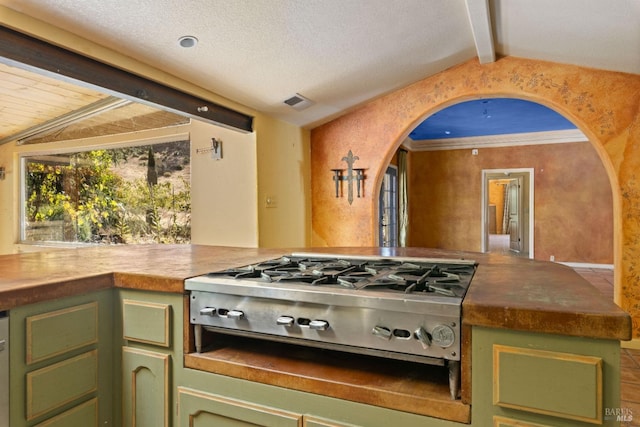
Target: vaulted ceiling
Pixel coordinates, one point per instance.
(341, 54)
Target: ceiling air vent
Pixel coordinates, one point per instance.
(298, 102)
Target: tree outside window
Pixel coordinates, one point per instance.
(129, 195)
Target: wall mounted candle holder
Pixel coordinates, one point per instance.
(351, 175)
(215, 149)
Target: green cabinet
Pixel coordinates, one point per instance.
(61, 359)
(115, 357)
(528, 379)
(200, 409)
(149, 332)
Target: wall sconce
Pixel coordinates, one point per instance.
(215, 149)
(350, 175)
(2, 173)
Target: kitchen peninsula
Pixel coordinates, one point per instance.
(525, 323)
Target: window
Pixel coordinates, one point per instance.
(137, 194)
(389, 208)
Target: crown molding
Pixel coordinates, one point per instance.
(494, 141)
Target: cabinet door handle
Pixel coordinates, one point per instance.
(3, 344)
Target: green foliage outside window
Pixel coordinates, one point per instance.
(125, 195)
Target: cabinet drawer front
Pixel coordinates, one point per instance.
(58, 384)
(146, 322)
(200, 409)
(57, 332)
(547, 382)
(84, 415)
(509, 422)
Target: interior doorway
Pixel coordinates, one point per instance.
(507, 217)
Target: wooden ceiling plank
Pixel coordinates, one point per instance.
(20, 48)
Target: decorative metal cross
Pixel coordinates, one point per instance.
(349, 177)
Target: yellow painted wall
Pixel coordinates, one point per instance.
(7, 198)
(283, 177)
(223, 192)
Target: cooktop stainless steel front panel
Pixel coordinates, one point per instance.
(431, 332)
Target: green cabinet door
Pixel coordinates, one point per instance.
(145, 394)
(199, 409)
(535, 380)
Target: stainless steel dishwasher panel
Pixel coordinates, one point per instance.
(4, 369)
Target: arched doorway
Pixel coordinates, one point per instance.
(597, 101)
(508, 142)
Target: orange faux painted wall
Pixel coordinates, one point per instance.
(572, 212)
(603, 104)
(496, 198)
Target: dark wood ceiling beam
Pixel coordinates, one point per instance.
(38, 54)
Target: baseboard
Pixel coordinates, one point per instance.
(634, 344)
(587, 265)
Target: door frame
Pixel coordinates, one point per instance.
(528, 204)
(381, 205)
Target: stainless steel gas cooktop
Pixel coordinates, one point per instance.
(398, 308)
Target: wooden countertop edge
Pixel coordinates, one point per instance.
(145, 282)
(599, 325)
(24, 295)
(443, 408)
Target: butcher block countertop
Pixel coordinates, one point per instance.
(506, 292)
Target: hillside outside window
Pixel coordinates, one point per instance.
(123, 195)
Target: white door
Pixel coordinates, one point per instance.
(514, 191)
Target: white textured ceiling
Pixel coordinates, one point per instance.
(342, 53)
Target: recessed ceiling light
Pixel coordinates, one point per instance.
(188, 41)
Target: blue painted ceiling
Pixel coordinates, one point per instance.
(491, 116)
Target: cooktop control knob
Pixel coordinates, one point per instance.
(285, 320)
(207, 311)
(319, 325)
(443, 336)
(235, 314)
(423, 336)
(381, 332)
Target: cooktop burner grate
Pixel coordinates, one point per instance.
(372, 275)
